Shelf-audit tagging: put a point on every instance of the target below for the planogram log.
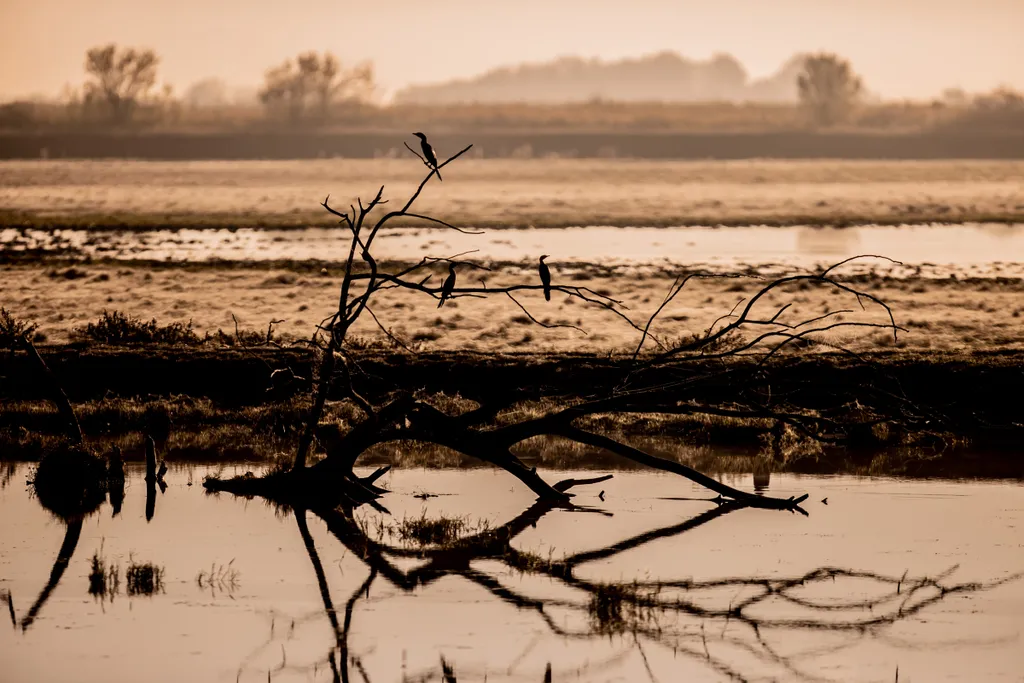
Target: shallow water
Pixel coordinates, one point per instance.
(936, 250)
(273, 623)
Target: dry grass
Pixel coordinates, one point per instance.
(947, 314)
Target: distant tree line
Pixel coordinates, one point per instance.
(121, 83)
(317, 89)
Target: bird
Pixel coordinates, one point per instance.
(448, 286)
(428, 154)
(545, 277)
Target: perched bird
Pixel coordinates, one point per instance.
(448, 286)
(428, 153)
(545, 278)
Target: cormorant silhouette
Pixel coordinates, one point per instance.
(448, 286)
(428, 153)
(545, 278)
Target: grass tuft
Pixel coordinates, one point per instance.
(120, 329)
(144, 579)
(424, 531)
(104, 577)
(619, 609)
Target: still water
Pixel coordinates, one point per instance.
(975, 249)
(305, 598)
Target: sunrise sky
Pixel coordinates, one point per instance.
(902, 48)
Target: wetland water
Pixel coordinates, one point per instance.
(936, 250)
(723, 570)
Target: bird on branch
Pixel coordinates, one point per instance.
(428, 154)
(545, 278)
(448, 286)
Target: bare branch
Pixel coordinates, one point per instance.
(537, 322)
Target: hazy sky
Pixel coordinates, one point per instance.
(902, 48)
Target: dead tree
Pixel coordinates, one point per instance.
(721, 372)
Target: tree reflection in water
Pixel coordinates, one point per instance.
(676, 615)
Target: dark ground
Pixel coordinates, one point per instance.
(369, 144)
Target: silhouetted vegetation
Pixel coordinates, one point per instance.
(70, 481)
(104, 577)
(143, 578)
(219, 578)
(13, 330)
(425, 531)
(728, 361)
(117, 329)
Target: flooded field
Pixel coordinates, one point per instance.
(647, 581)
(516, 192)
(976, 250)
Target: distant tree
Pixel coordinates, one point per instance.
(120, 78)
(954, 97)
(209, 92)
(314, 83)
(828, 88)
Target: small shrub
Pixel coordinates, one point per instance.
(68, 274)
(12, 330)
(70, 481)
(117, 328)
(241, 338)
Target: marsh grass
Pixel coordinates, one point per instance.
(104, 577)
(143, 578)
(219, 578)
(426, 531)
(615, 609)
(118, 329)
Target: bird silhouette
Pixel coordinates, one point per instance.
(448, 286)
(545, 277)
(428, 154)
